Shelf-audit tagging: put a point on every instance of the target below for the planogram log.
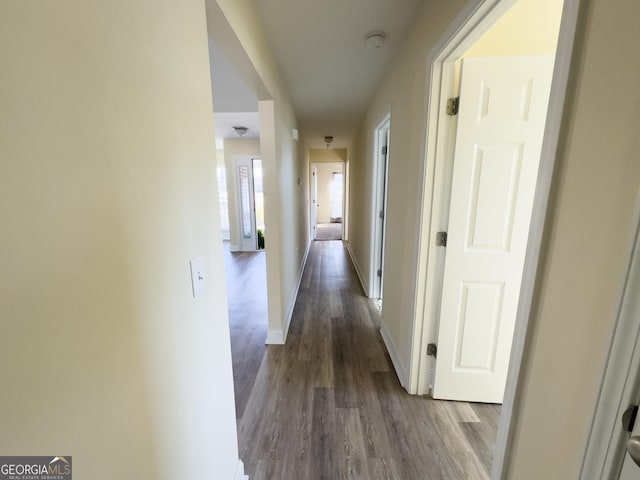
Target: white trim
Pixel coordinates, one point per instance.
(234, 248)
(605, 449)
(396, 359)
(356, 266)
(476, 16)
(557, 99)
(240, 472)
(279, 337)
(377, 230)
(336, 164)
(275, 337)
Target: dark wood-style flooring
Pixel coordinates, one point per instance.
(247, 301)
(328, 405)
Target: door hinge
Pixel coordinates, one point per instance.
(381, 215)
(379, 273)
(629, 418)
(453, 104)
(385, 149)
(441, 239)
(432, 350)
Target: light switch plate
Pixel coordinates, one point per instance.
(197, 275)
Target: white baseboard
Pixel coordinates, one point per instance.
(365, 285)
(240, 472)
(398, 365)
(279, 337)
(234, 248)
(275, 337)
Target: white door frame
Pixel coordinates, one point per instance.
(473, 20)
(379, 201)
(620, 386)
(313, 185)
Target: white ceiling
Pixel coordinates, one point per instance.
(230, 92)
(321, 52)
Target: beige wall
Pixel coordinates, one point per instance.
(530, 27)
(108, 188)
(233, 148)
(286, 215)
(598, 178)
(327, 155)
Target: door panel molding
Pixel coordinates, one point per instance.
(495, 167)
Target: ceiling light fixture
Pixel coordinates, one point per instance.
(240, 131)
(328, 139)
(375, 39)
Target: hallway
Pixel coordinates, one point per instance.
(328, 405)
(247, 304)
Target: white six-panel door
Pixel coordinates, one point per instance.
(503, 105)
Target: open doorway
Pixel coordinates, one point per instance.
(489, 144)
(239, 174)
(497, 28)
(328, 200)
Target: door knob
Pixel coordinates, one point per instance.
(633, 447)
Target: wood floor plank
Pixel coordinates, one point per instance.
(352, 457)
(447, 428)
(323, 436)
(296, 446)
(403, 434)
(266, 470)
(462, 412)
(482, 438)
(383, 469)
(487, 413)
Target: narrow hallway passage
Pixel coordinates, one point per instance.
(328, 405)
(247, 303)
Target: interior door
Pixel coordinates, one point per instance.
(503, 106)
(383, 134)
